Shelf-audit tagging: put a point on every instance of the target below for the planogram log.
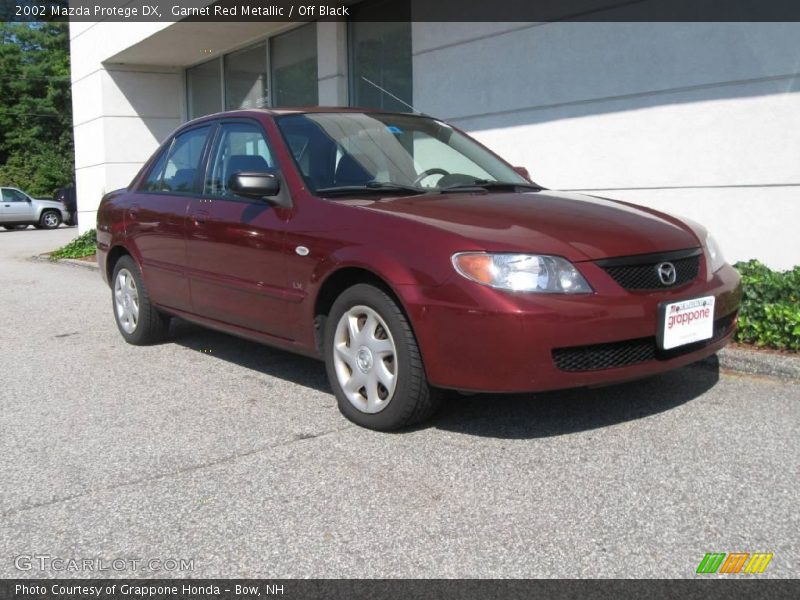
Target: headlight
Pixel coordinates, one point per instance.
(522, 272)
(715, 258)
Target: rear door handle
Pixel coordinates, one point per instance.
(199, 217)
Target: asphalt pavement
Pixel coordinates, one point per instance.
(233, 458)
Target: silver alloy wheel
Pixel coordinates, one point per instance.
(365, 359)
(126, 301)
(50, 219)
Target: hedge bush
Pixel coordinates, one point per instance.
(770, 314)
(83, 245)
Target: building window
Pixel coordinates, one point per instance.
(293, 56)
(242, 79)
(246, 78)
(381, 53)
(204, 95)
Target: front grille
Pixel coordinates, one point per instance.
(641, 272)
(629, 352)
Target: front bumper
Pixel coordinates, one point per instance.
(479, 339)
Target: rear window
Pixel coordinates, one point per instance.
(176, 169)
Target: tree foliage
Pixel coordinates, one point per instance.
(36, 147)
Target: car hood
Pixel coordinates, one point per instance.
(48, 203)
(575, 226)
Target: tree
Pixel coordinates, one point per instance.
(36, 146)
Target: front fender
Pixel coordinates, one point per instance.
(401, 277)
(381, 264)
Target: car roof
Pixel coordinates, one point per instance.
(299, 110)
(290, 110)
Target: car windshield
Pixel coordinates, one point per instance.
(341, 153)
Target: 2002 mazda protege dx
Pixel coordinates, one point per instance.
(409, 257)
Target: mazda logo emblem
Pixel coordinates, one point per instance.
(666, 273)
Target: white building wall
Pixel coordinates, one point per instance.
(699, 119)
(120, 112)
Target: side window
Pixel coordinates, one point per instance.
(153, 181)
(12, 195)
(239, 148)
(183, 160)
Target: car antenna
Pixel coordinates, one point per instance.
(388, 93)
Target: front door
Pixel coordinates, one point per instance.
(16, 207)
(235, 245)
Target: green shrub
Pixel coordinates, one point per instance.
(770, 315)
(83, 245)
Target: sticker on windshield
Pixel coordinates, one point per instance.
(394, 129)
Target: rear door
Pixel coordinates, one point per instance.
(235, 245)
(155, 218)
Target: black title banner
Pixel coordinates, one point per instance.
(401, 10)
(405, 589)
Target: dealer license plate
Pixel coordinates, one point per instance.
(686, 322)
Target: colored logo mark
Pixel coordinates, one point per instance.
(735, 562)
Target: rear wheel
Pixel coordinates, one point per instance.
(373, 362)
(138, 321)
(50, 219)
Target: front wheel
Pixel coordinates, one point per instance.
(373, 362)
(139, 322)
(50, 219)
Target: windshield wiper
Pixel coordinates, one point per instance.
(371, 187)
(489, 184)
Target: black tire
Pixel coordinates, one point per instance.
(413, 400)
(50, 219)
(152, 325)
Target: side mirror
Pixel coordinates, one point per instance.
(524, 172)
(254, 185)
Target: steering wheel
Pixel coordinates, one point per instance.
(428, 173)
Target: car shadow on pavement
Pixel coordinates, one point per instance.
(519, 416)
(251, 355)
(513, 416)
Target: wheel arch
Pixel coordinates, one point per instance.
(114, 254)
(337, 282)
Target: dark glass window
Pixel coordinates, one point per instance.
(246, 78)
(381, 53)
(294, 67)
(183, 160)
(12, 195)
(203, 89)
(153, 181)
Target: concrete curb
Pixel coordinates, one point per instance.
(80, 263)
(753, 362)
(66, 261)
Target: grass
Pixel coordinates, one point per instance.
(82, 246)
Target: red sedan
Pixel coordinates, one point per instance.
(407, 256)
